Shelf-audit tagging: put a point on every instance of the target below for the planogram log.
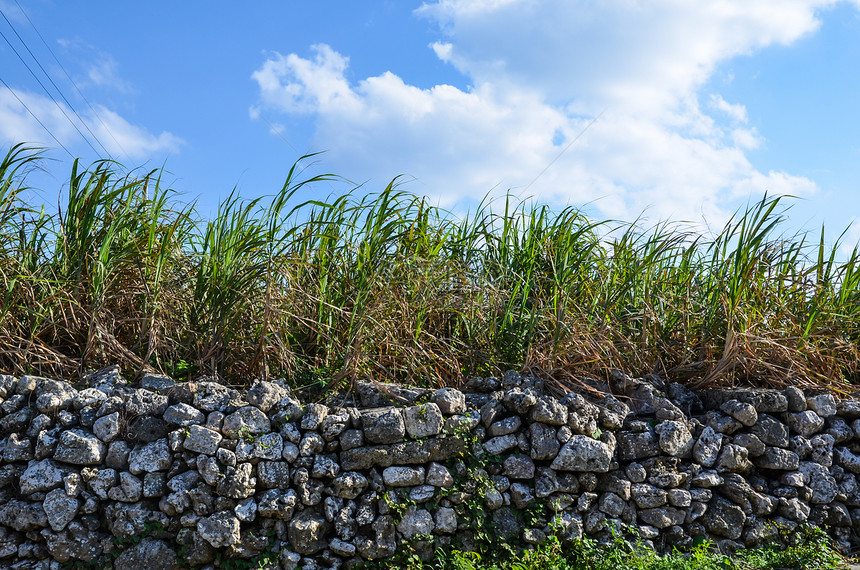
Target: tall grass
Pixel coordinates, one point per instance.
(389, 286)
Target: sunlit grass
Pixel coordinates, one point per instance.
(388, 286)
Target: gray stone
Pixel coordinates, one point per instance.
(504, 427)
(822, 483)
(145, 429)
(612, 412)
(707, 448)
(445, 520)
(307, 532)
(424, 420)
(211, 397)
(793, 509)
(311, 444)
(383, 426)
(23, 516)
(153, 456)
(544, 443)
(796, 399)
(663, 517)
(439, 476)
(183, 415)
(519, 467)
(634, 446)
(335, 424)
(101, 482)
(278, 504)
(415, 522)
(40, 476)
(237, 482)
(805, 423)
(79, 447)
(777, 458)
(751, 442)
(129, 490)
(60, 509)
(149, 553)
(449, 400)
(245, 422)
(611, 504)
(733, 458)
(265, 395)
(823, 404)
(106, 428)
(399, 476)
(675, 438)
(348, 485)
(314, 416)
(583, 453)
(849, 409)
(521, 495)
(724, 519)
(741, 411)
(117, 455)
(324, 466)
(220, 529)
(648, 496)
(582, 414)
(76, 543)
(501, 444)
(550, 411)
(822, 449)
(202, 440)
(680, 498)
(146, 403)
(771, 431)
(342, 548)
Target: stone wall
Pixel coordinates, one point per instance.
(157, 473)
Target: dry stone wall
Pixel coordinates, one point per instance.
(165, 475)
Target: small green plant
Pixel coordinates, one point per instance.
(244, 433)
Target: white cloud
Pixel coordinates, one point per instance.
(542, 68)
(121, 138)
(736, 111)
(105, 73)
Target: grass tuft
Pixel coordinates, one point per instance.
(386, 285)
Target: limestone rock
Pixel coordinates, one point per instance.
(220, 529)
(149, 457)
(384, 425)
(245, 422)
(307, 532)
(149, 553)
(423, 420)
(583, 453)
(79, 447)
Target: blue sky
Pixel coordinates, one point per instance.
(700, 106)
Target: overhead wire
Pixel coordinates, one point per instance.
(12, 91)
(96, 114)
(564, 150)
(71, 107)
(48, 93)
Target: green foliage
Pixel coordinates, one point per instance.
(384, 285)
(810, 550)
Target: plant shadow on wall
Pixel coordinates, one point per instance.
(385, 285)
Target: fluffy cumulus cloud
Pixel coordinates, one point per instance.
(539, 73)
(120, 138)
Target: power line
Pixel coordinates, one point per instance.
(35, 117)
(54, 84)
(42, 85)
(564, 150)
(72, 81)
